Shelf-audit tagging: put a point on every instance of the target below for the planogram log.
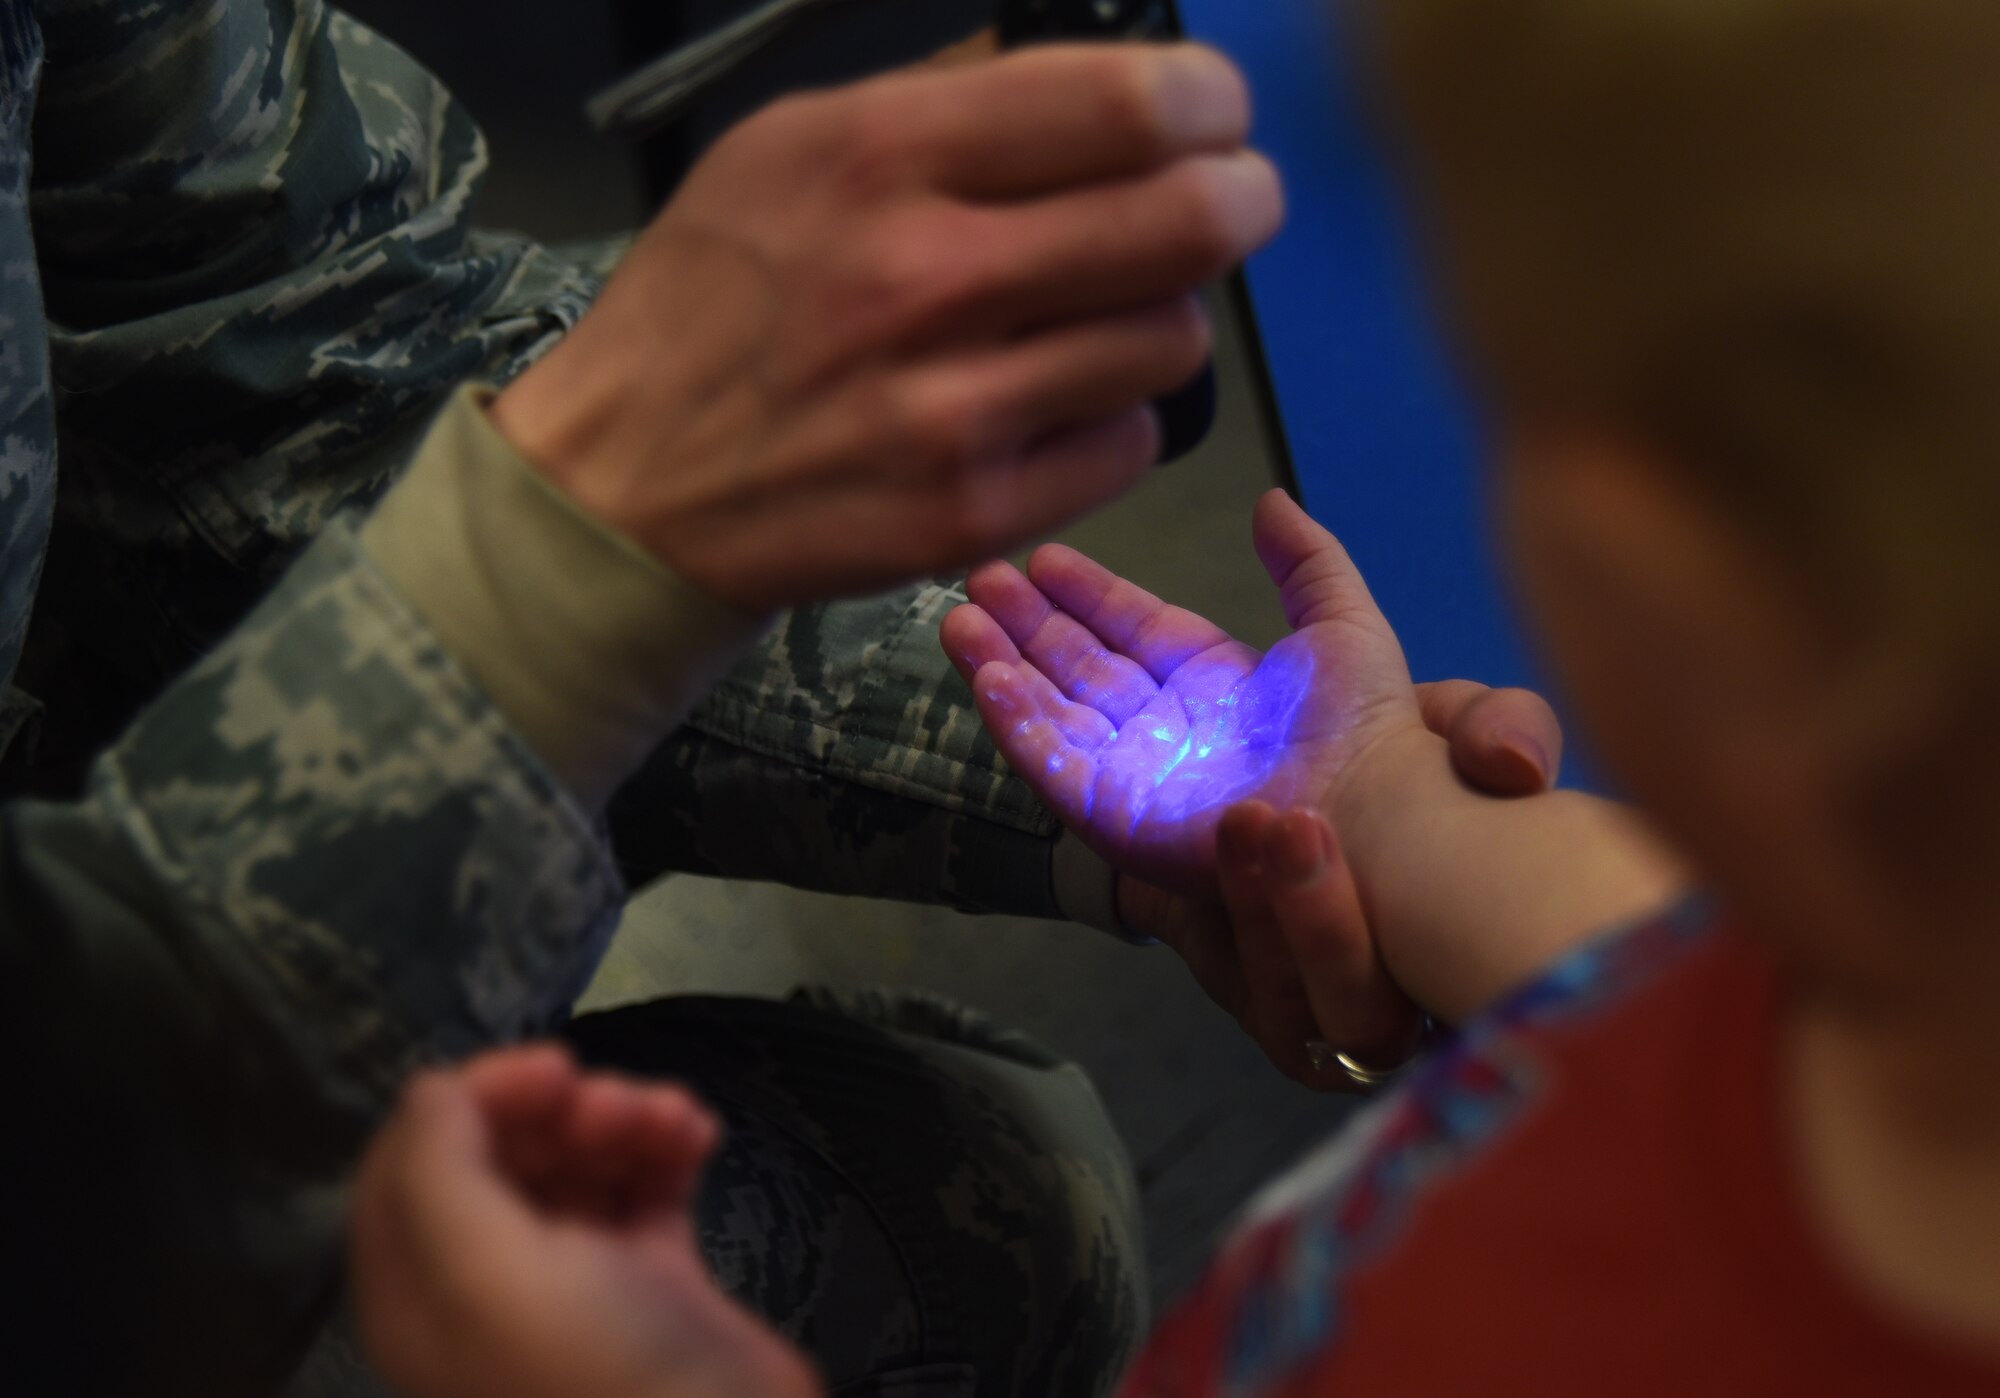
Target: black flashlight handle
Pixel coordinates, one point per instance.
(1187, 416)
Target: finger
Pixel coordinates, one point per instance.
(437, 1192)
(524, 1094)
(973, 640)
(1442, 701)
(1062, 115)
(982, 47)
(678, 1136)
(1108, 249)
(985, 508)
(1128, 619)
(605, 1152)
(1318, 910)
(1504, 742)
(1059, 772)
(523, 1080)
(1068, 653)
(969, 406)
(1277, 1011)
(1507, 742)
(1052, 483)
(1313, 573)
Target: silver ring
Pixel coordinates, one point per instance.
(1324, 1057)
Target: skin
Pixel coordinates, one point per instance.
(1027, 644)
(1742, 715)
(1761, 729)
(896, 328)
(1468, 895)
(1430, 884)
(521, 1229)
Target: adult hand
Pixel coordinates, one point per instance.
(891, 329)
(521, 1230)
(1140, 723)
(1285, 947)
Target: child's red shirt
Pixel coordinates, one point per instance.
(1587, 1194)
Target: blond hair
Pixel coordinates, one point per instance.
(1762, 234)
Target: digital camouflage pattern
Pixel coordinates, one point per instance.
(237, 278)
(221, 408)
(928, 1204)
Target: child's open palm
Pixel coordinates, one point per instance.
(1140, 723)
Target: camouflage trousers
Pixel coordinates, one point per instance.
(929, 1205)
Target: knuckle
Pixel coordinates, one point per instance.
(1132, 103)
(874, 155)
(1208, 216)
(794, 124)
(921, 272)
(971, 522)
(938, 433)
(951, 434)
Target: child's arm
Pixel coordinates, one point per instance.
(1469, 897)
(1141, 724)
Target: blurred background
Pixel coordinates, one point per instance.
(1206, 1119)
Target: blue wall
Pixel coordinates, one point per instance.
(1384, 445)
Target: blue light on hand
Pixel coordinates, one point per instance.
(1214, 736)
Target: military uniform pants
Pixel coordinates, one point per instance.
(929, 1205)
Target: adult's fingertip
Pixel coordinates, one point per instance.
(1294, 850)
(1239, 836)
(989, 575)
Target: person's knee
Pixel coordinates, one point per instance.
(1038, 1200)
(908, 1188)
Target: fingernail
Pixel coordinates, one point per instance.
(1296, 855)
(1202, 96)
(1527, 750)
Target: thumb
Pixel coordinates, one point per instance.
(1313, 573)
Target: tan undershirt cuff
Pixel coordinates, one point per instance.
(592, 649)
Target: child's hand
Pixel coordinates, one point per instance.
(521, 1230)
(1286, 948)
(1140, 723)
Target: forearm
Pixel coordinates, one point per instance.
(840, 754)
(1471, 897)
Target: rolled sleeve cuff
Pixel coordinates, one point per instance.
(367, 848)
(592, 649)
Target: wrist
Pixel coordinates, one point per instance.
(561, 419)
(640, 417)
(1390, 771)
(590, 649)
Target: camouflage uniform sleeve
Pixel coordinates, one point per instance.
(316, 860)
(262, 281)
